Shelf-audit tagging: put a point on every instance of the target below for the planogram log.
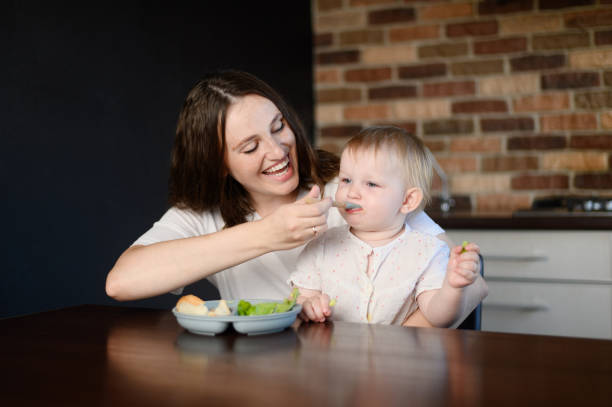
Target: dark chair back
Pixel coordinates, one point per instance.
(475, 318)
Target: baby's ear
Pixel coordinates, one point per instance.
(412, 200)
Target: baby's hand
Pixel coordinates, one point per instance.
(315, 308)
(463, 265)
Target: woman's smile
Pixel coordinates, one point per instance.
(279, 169)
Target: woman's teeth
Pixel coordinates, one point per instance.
(279, 169)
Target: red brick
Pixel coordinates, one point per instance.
(507, 124)
(367, 112)
(593, 181)
(337, 57)
(326, 5)
(327, 76)
(536, 142)
(412, 33)
(560, 41)
(592, 142)
(446, 11)
(501, 46)
(322, 40)
(370, 2)
(340, 131)
(421, 71)
(578, 121)
(476, 144)
(503, 7)
(396, 15)
(454, 164)
(509, 163)
(537, 62)
(593, 100)
(592, 18)
(473, 68)
(558, 4)
(361, 37)
(451, 126)
(542, 101)
(603, 38)
(480, 106)
(446, 50)
(435, 145)
(368, 75)
(408, 126)
(502, 202)
(523, 182)
(338, 95)
(472, 28)
(392, 92)
(570, 80)
(449, 89)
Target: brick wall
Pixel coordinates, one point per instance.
(513, 97)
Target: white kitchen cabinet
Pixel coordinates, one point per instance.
(546, 282)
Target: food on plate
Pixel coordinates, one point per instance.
(264, 308)
(191, 305)
(221, 310)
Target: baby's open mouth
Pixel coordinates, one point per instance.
(279, 169)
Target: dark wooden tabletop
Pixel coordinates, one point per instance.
(116, 356)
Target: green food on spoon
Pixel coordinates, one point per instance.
(265, 308)
(463, 246)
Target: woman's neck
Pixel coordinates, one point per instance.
(378, 238)
(267, 204)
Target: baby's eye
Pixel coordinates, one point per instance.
(371, 184)
(251, 147)
(345, 180)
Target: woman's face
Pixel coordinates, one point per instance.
(261, 153)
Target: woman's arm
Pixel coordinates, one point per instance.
(146, 271)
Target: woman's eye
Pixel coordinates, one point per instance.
(250, 148)
(280, 126)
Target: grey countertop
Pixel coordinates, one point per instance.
(536, 220)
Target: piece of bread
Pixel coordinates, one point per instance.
(191, 305)
(221, 310)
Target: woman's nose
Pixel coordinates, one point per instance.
(275, 148)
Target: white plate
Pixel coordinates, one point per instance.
(250, 325)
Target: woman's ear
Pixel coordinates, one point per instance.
(412, 199)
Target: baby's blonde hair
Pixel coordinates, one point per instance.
(415, 159)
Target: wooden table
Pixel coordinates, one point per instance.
(116, 356)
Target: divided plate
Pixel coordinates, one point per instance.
(250, 325)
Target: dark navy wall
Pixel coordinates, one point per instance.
(89, 98)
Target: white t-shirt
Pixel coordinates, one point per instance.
(372, 284)
(264, 276)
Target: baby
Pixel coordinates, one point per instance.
(376, 269)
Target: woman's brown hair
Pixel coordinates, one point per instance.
(199, 178)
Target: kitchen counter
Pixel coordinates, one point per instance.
(539, 220)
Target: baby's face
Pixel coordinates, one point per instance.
(377, 185)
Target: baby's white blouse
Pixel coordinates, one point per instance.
(261, 277)
(337, 262)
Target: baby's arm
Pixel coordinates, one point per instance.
(315, 305)
(444, 307)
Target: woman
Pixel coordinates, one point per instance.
(244, 194)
